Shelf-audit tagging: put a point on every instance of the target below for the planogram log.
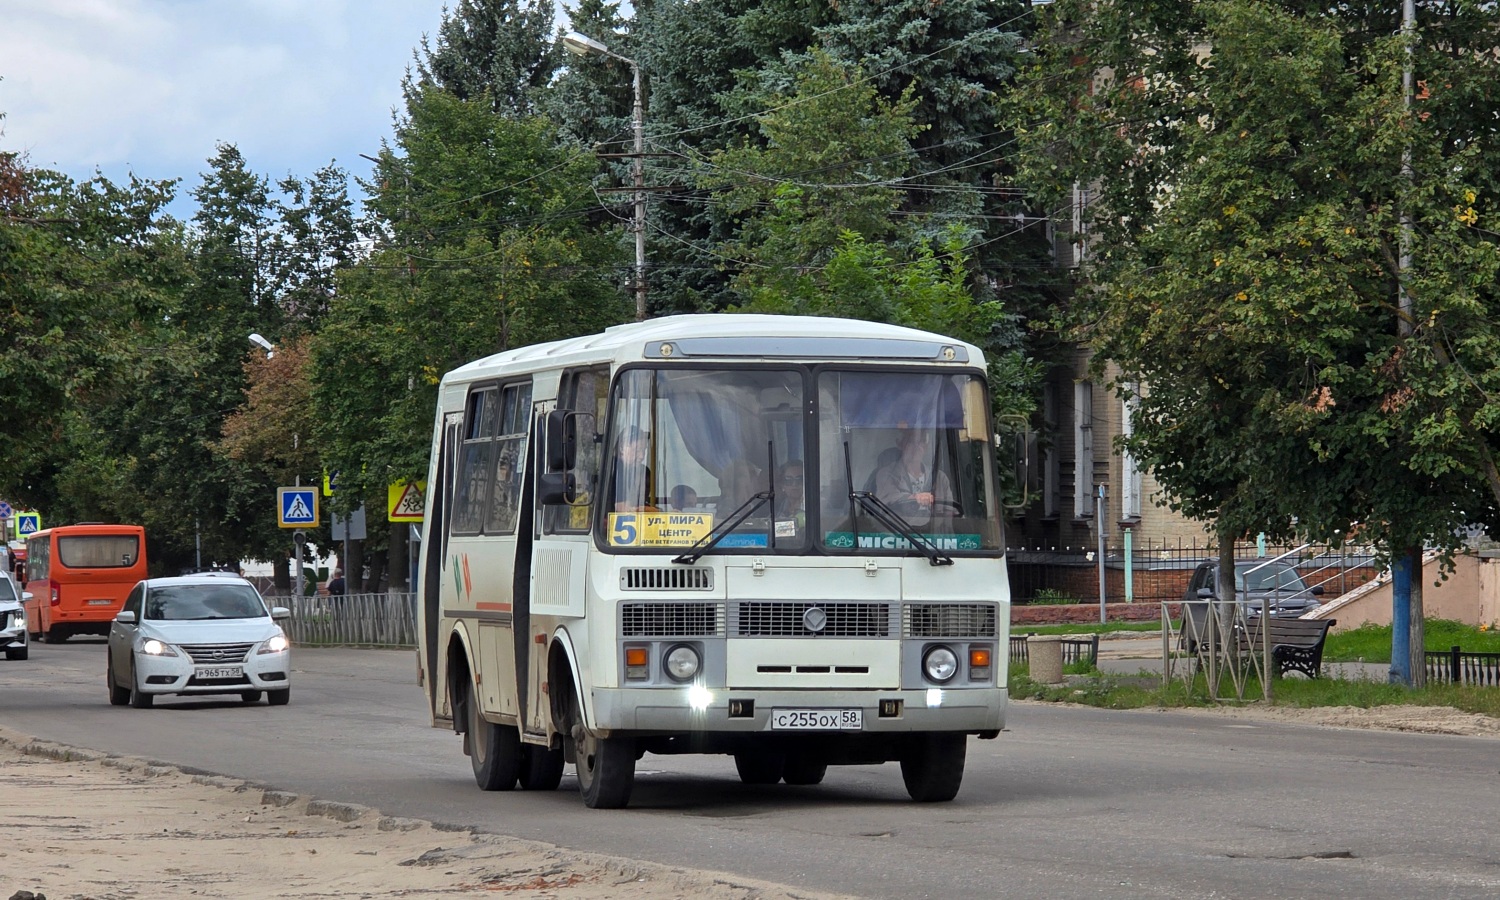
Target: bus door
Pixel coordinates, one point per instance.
(559, 561)
(482, 549)
(434, 554)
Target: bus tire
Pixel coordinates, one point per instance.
(932, 765)
(802, 769)
(494, 750)
(605, 766)
(118, 696)
(541, 768)
(760, 766)
(139, 699)
(55, 635)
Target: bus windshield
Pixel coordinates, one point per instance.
(795, 459)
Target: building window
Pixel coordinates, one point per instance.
(1083, 449)
(1130, 470)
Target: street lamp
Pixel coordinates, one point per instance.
(263, 344)
(583, 45)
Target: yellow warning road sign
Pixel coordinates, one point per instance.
(405, 500)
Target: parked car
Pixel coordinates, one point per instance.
(197, 634)
(14, 635)
(1258, 583)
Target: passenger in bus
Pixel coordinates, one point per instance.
(910, 485)
(791, 500)
(684, 496)
(633, 479)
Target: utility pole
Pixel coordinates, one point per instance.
(583, 45)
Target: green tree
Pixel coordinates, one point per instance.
(1246, 245)
(482, 244)
(499, 49)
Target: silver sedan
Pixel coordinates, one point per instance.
(197, 634)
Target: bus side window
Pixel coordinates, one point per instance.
(586, 392)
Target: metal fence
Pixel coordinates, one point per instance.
(352, 620)
(1458, 667)
(1160, 570)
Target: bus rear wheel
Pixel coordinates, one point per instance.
(605, 766)
(803, 769)
(494, 750)
(541, 768)
(932, 765)
(760, 766)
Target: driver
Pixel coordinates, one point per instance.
(909, 484)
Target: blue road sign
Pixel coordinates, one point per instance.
(5, 510)
(28, 523)
(297, 507)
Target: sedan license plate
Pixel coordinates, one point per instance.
(817, 719)
(220, 671)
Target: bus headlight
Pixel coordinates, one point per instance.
(682, 663)
(153, 647)
(940, 664)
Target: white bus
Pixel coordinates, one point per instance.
(776, 538)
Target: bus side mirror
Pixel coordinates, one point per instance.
(557, 487)
(562, 440)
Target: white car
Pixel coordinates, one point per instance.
(13, 631)
(197, 634)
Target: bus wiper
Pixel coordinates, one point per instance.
(718, 532)
(897, 523)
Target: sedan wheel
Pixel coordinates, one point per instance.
(118, 696)
(139, 699)
(250, 696)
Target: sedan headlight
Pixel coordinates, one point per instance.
(277, 644)
(153, 647)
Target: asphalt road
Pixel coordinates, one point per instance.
(1070, 801)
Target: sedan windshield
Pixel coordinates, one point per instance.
(1270, 578)
(180, 602)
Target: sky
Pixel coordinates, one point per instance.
(151, 87)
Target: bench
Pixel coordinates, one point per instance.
(1296, 644)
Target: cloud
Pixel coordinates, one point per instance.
(151, 86)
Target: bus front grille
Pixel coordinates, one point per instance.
(951, 620)
(771, 618)
(674, 578)
(671, 620)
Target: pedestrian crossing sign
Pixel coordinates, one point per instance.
(28, 523)
(297, 507)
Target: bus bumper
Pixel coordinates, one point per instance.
(672, 710)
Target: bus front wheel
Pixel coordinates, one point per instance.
(605, 766)
(932, 765)
(494, 750)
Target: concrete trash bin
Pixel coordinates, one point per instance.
(1045, 653)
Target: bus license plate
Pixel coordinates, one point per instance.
(100, 602)
(817, 719)
(220, 671)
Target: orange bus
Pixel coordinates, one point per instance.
(78, 576)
